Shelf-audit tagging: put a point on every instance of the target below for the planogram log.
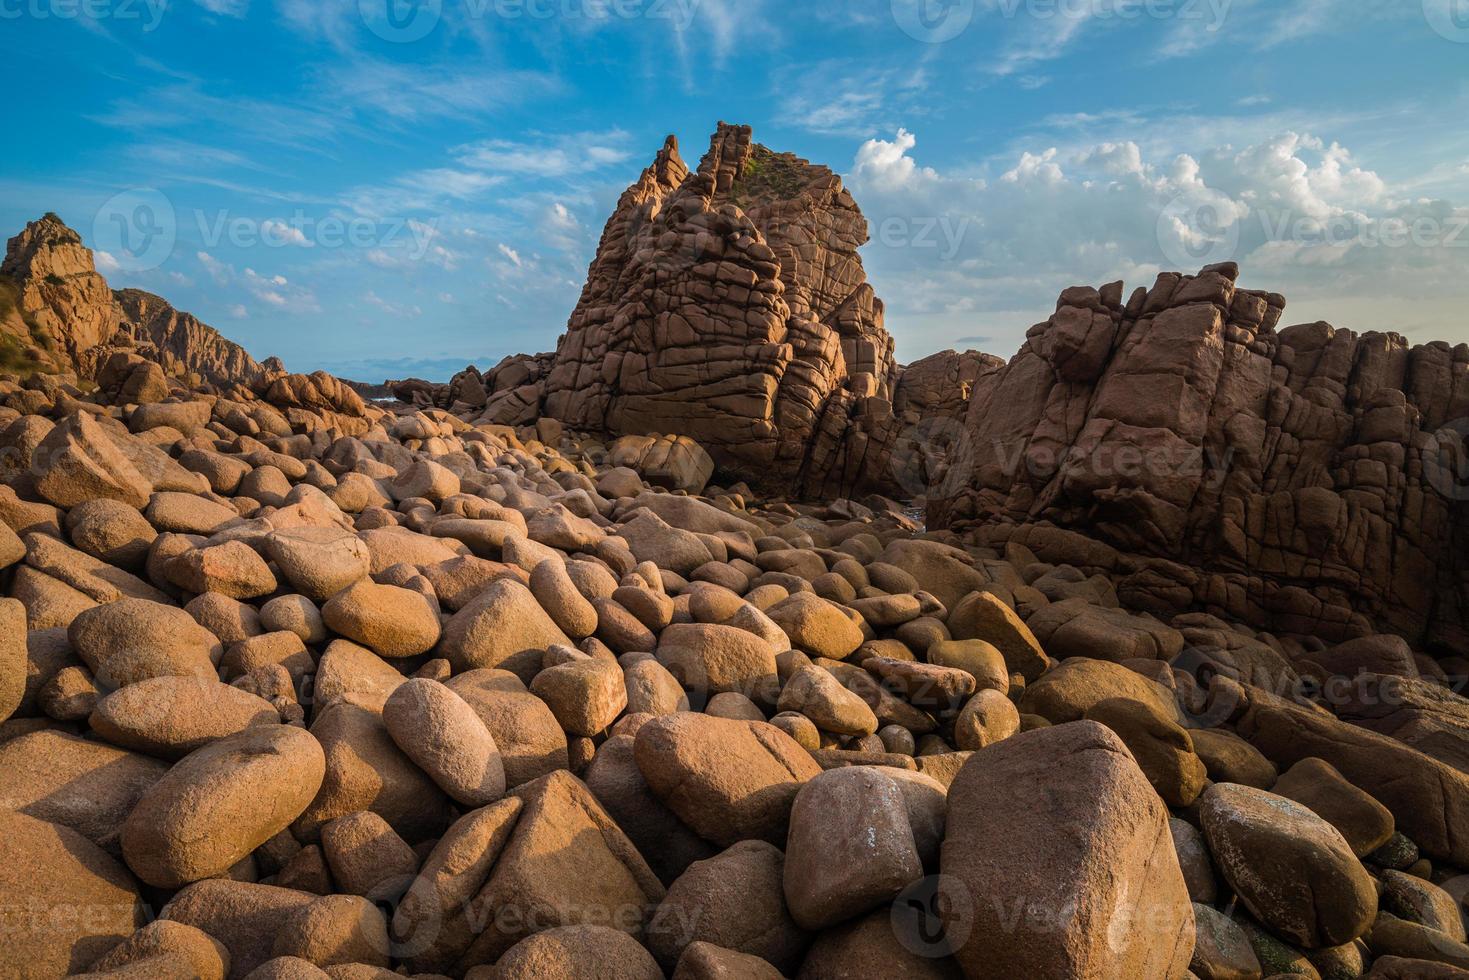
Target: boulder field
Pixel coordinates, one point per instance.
(300, 688)
(636, 661)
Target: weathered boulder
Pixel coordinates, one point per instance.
(51, 875)
(1291, 869)
(220, 803)
(728, 780)
(1105, 898)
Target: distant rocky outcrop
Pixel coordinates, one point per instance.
(57, 313)
(1305, 480)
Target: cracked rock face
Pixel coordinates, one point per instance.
(731, 300)
(729, 304)
(71, 320)
(1304, 480)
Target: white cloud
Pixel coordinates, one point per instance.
(555, 156)
(887, 166)
(560, 228)
(408, 93)
(274, 290)
(278, 232)
(393, 309)
(106, 262)
(1039, 33)
(722, 26)
(839, 97)
(957, 256)
(218, 271)
(226, 8)
(510, 254)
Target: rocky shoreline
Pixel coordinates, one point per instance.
(510, 679)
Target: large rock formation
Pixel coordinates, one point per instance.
(729, 304)
(57, 313)
(1304, 480)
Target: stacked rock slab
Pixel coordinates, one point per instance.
(730, 305)
(1304, 480)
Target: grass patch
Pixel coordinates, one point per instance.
(15, 358)
(9, 297)
(769, 176)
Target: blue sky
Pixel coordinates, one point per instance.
(384, 187)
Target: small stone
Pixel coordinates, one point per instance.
(334, 930)
(1162, 748)
(367, 857)
(818, 695)
(1315, 784)
(1315, 894)
(982, 616)
(232, 569)
(1221, 949)
(134, 639)
(220, 803)
(816, 626)
(985, 719)
(296, 614)
(850, 847)
(446, 739)
(981, 660)
(319, 561)
(170, 717)
(728, 780)
(735, 900)
(390, 621)
(578, 953)
(558, 596)
(585, 694)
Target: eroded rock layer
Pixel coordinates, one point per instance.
(732, 300)
(729, 304)
(1305, 480)
(57, 313)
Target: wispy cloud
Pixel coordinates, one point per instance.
(543, 155)
(413, 93)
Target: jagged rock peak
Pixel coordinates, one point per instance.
(47, 247)
(731, 305)
(71, 320)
